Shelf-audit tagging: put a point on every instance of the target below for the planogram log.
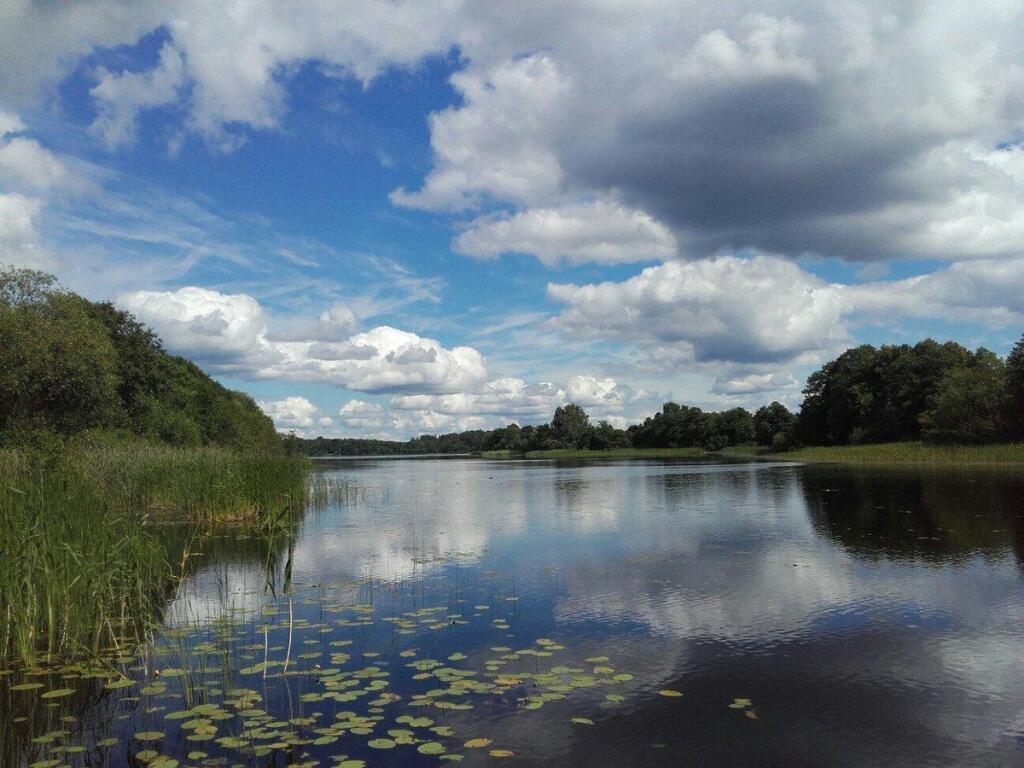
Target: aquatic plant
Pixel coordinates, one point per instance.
(83, 564)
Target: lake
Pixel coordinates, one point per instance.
(598, 613)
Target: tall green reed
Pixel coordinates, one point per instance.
(83, 565)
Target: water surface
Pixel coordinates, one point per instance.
(601, 613)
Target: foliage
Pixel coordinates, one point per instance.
(68, 365)
(571, 426)
(870, 395)
(968, 404)
(682, 426)
(1014, 403)
(773, 425)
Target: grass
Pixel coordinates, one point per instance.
(83, 565)
(909, 453)
(200, 485)
(878, 454)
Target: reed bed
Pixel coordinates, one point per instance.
(83, 565)
(911, 453)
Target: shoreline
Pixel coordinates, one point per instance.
(882, 454)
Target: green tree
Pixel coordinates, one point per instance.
(969, 404)
(68, 365)
(1014, 418)
(773, 424)
(58, 367)
(571, 426)
(736, 425)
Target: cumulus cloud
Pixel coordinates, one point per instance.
(728, 309)
(767, 310)
(291, 413)
(860, 129)
(601, 231)
(755, 384)
(863, 130)
(20, 240)
(989, 292)
(230, 333)
(503, 401)
(224, 331)
(495, 143)
(335, 323)
(382, 359)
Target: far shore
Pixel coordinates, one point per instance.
(1011, 454)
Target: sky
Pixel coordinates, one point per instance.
(391, 218)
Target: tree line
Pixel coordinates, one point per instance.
(938, 393)
(69, 366)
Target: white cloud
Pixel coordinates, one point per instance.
(335, 323)
(495, 144)
(728, 309)
(120, 97)
(693, 116)
(764, 312)
(756, 384)
(224, 331)
(229, 333)
(989, 291)
(236, 79)
(292, 413)
(20, 241)
(503, 401)
(383, 359)
(26, 165)
(861, 129)
(10, 123)
(600, 231)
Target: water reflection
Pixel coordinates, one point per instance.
(869, 618)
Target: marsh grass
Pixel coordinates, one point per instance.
(84, 567)
(882, 454)
(910, 453)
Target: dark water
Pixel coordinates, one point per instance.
(807, 615)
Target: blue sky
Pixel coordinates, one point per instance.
(396, 218)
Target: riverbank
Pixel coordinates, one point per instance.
(84, 566)
(1009, 454)
(879, 454)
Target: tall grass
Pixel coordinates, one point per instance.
(83, 567)
(910, 453)
(200, 485)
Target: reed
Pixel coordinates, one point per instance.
(911, 453)
(84, 566)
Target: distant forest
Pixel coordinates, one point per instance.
(72, 367)
(938, 393)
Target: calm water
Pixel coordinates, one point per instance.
(807, 615)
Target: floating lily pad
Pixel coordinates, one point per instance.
(59, 693)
